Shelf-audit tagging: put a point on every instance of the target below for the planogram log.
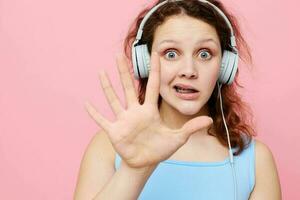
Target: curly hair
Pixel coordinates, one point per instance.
(238, 114)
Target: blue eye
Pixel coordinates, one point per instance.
(205, 54)
(171, 53)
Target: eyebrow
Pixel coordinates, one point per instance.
(200, 41)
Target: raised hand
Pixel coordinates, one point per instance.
(139, 135)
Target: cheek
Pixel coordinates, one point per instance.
(215, 70)
(166, 74)
(215, 74)
(211, 75)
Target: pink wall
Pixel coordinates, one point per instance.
(50, 54)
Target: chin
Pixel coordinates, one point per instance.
(188, 109)
(185, 107)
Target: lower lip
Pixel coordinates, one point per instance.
(187, 96)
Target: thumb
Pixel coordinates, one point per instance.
(196, 124)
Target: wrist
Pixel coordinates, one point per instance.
(141, 171)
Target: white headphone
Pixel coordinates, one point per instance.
(141, 57)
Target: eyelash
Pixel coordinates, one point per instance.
(201, 50)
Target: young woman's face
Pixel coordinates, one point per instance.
(190, 54)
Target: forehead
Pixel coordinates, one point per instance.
(184, 28)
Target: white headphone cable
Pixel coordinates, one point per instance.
(230, 150)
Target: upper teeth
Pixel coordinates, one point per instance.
(184, 89)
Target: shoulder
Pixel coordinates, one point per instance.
(96, 168)
(267, 184)
(265, 161)
(264, 157)
(263, 152)
(101, 146)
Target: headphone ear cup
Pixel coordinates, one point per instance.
(223, 67)
(228, 67)
(235, 59)
(142, 60)
(134, 62)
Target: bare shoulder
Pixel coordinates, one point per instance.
(96, 168)
(267, 183)
(263, 152)
(102, 146)
(265, 159)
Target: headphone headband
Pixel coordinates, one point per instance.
(140, 31)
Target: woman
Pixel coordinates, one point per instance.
(171, 141)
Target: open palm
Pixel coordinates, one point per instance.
(139, 135)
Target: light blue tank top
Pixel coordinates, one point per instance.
(187, 180)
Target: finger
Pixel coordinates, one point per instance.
(152, 90)
(99, 119)
(127, 81)
(194, 125)
(110, 94)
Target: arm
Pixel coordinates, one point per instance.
(267, 184)
(126, 184)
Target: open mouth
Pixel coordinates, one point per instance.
(184, 91)
(186, 94)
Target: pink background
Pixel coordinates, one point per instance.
(51, 52)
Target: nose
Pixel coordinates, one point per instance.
(188, 69)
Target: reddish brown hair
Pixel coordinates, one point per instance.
(237, 113)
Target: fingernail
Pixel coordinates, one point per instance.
(86, 105)
(118, 52)
(101, 73)
(119, 55)
(87, 102)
